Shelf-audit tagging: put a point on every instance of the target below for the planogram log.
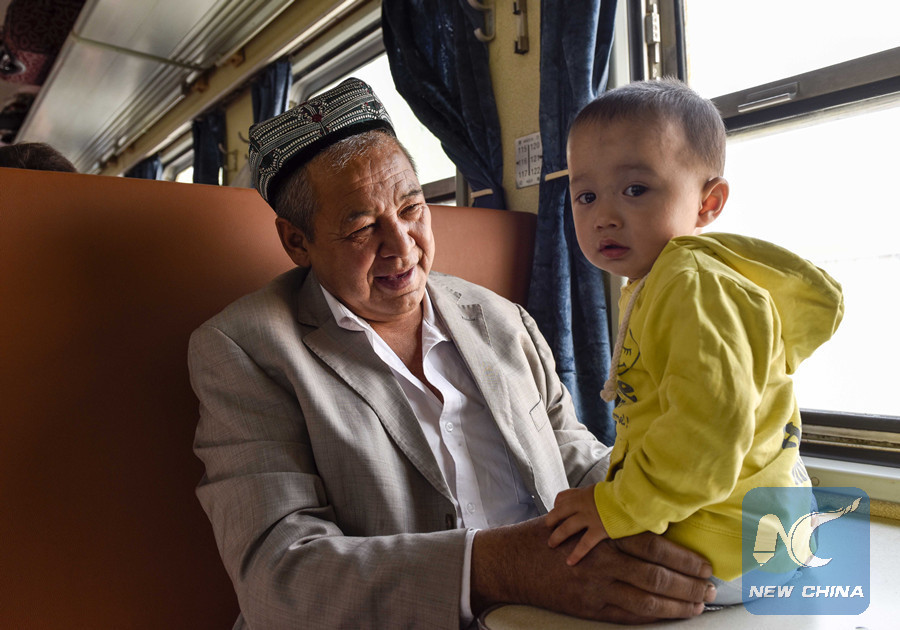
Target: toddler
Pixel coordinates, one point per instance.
(711, 327)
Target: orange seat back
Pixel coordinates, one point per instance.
(102, 281)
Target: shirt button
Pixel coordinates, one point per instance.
(470, 507)
(449, 427)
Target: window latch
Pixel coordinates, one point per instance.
(653, 39)
(768, 98)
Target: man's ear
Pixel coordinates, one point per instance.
(715, 194)
(294, 241)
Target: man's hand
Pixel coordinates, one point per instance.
(630, 580)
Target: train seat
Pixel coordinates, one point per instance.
(102, 280)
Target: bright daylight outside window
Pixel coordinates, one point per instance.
(186, 176)
(432, 164)
(822, 185)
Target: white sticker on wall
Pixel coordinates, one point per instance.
(529, 157)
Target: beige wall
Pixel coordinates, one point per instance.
(516, 80)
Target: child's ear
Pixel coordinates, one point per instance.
(293, 240)
(715, 194)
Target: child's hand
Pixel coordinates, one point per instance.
(573, 511)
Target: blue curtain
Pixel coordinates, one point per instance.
(441, 69)
(209, 146)
(149, 168)
(567, 296)
(271, 90)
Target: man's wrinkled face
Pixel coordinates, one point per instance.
(373, 246)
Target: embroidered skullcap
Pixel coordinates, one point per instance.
(280, 145)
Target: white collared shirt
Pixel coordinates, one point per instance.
(461, 431)
(477, 467)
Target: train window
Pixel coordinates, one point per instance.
(178, 160)
(185, 175)
(364, 57)
(735, 45)
(810, 100)
(357, 51)
(810, 188)
(436, 172)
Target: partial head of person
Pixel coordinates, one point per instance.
(348, 202)
(645, 166)
(37, 156)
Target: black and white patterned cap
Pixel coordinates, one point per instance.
(281, 144)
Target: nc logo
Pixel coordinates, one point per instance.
(797, 540)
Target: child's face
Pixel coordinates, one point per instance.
(635, 185)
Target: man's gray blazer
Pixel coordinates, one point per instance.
(328, 506)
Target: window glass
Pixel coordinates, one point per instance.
(824, 190)
(736, 45)
(185, 176)
(432, 164)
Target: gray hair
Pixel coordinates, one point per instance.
(666, 99)
(295, 200)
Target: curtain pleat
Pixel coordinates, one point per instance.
(271, 90)
(441, 70)
(567, 297)
(149, 168)
(209, 145)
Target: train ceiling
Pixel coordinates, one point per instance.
(123, 64)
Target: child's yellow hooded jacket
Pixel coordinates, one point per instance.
(705, 407)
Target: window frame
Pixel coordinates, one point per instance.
(864, 81)
(313, 66)
(318, 66)
(846, 84)
(861, 438)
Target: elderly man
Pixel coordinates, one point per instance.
(381, 442)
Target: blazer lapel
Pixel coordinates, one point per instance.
(469, 329)
(351, 356)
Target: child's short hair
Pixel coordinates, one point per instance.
(669, 99)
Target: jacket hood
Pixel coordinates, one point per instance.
(809, 301)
